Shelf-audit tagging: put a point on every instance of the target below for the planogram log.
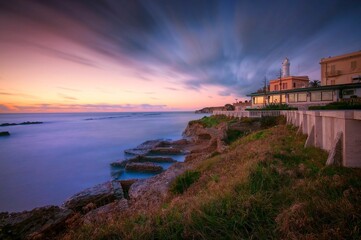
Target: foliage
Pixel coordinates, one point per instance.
(270, 121)
(229, 107)
(315, 83)
(182, 182)
(273, 106)
(211, 121)
(233, 135)
(337, 106)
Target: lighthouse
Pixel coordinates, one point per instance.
(286, 68)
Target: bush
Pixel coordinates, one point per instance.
(337, 106)
(273, 106)
(184, 181)
(233, 135)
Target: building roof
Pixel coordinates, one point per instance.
(309, 89)
(301, 78)
(343, 56)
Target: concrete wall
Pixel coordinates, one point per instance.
(322, 128)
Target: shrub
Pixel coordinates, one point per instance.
(337, 106)
(184, 181)
(233, 135)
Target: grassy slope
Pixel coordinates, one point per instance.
(266, 186)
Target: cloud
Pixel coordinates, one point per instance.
(44, 107)
(172, 89)
(67, 97)
(4, 108)
(228, 44)
(69, 89)
(18, 94)
(224, 93)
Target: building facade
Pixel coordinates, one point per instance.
(343, 69)
(340, 81)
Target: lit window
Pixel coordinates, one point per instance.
(292, 97)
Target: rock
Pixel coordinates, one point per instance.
(126, 184)
(105, 212)
(143, 167)
(145, 147)
(3, 134)
(122, 163)
(146, 193)
(45, 221)
(166, 151)
(206, 140)
(99, 195)
(15, 124)
(180, 142)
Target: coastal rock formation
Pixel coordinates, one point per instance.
(149, 192)
(35, 224)
(206, 139)
(99, 195)
(144, 167)
(4, 134)
(144, 148)
(15, 124)
(166, 151)
(103, 213)
(139, 159)
(210, 109)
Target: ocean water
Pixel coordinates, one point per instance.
(44, 164)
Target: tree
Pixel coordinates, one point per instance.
(315, 83)
(229, 107)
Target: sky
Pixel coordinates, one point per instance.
(94, 56)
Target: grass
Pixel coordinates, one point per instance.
(266, 186)
(212, 121)
(183, 181)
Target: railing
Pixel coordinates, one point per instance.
(250, 114)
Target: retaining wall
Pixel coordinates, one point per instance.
(333, 131)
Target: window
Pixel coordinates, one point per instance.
(284, 85)
(353, 65)
(258, 100)
(292, 97)
(315, 96)
(277, 98)
(333, 69)
(327, 96)
(302, 97)
(276, 87)
(294, 85)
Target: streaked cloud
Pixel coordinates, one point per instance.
(67, 97)
(44, 107)
(229, 46)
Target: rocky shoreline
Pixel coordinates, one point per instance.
(123, 196)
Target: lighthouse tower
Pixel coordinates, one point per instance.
(286, 68)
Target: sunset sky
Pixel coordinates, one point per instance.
(76, 56)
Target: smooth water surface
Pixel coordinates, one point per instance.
(46, 163)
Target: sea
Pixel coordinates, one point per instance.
(44, 164)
